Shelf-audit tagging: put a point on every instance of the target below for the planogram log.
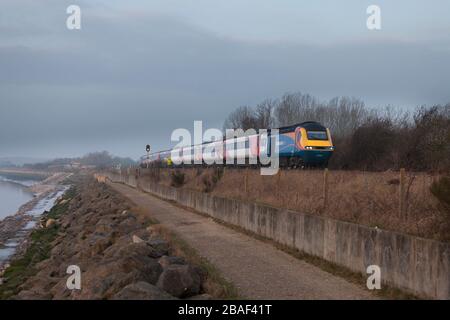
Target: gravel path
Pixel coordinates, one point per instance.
(257, 269)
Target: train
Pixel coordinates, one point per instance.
(306, 144)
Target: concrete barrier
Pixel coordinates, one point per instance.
(416, 265)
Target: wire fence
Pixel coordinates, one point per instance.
(394, 200)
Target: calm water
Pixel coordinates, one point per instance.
(12, 196)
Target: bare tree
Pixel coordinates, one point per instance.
(345, 115)
(367, 138)
(241, 118)
(296, 107)
(264, 114)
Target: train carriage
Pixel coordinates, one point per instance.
(301, 145)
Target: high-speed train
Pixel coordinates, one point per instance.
(305, 144)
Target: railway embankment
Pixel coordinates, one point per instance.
(417, 265)
(390, 200)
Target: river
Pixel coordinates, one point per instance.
(12, 196)
(13, 230)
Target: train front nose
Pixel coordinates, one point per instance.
(314, 155)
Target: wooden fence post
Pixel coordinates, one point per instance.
(246, 182)
(402, 193)
(325, 188)
(279, 184)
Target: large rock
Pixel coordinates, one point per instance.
(99, 245)
(90, 218)
(133, 249)
(60, 291)
(143, 234)
(203, 296)
(128, 224)
(105, 225)
(39, 283)
(148, 269)
(136, 239)
(181, 281)
(142, 291)
(50, 222)
(161, 246)
(166, 261)
(106, 279)
(33, 295)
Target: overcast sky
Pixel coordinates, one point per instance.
(139, 69)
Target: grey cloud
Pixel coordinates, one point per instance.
(125, 80)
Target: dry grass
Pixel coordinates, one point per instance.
(368, 198)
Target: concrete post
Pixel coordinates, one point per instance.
(402, 193)
(246, 182)
(279, 184)
(325, 188)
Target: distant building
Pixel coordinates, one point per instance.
(75, 165)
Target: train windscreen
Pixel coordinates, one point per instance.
(317, 135)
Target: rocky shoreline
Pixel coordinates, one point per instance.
(14, 229)
(119, 251)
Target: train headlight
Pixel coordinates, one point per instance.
(308, 148)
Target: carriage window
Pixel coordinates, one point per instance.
(241, 144)
(317, 135)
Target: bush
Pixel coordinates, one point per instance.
(369, 147)
(365, 138)
(441, 190)
(429, 140)
(210, 180)
(178, 179)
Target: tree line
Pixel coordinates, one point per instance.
(365, 138)
(101, 160)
